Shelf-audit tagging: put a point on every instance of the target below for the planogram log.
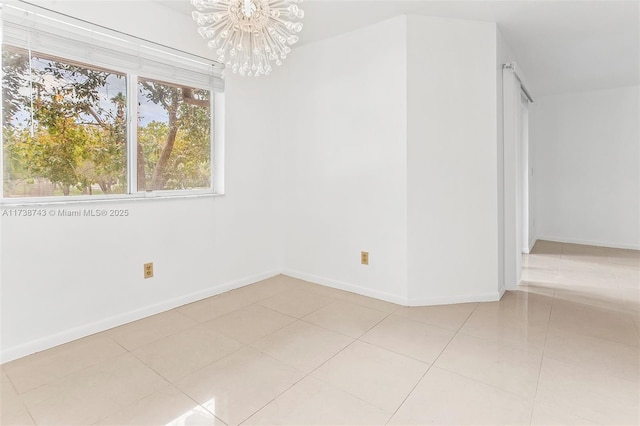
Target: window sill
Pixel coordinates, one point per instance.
(88, 199)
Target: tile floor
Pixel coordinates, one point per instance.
(562, 349)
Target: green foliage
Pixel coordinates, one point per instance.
(67, 154)
(188, 163)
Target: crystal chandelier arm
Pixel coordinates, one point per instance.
(204, 4)
(216, 27)
(274, 47)
(249, 34)
(279, 40)
(225, 39)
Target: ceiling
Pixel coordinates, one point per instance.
(562, 45)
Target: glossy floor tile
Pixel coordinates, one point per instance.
(346, 318)
(375, 375)
(250, 323)
(13, 411)
(520, 327)
(190, 350)
(594, 321)
(410, 338)
(44, 367)
(445, 316)
(296, 303)
(593, 353)
(564, 348)
(508, 366)
(443, 397)
(302, 345)
(147, 330)
(89, 395)
(236, 387)
(313, 402)
(590, 394)
(168, 406)
(546, 416)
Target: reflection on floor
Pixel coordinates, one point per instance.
(562, 349)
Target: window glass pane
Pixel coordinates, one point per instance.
(64, 127)
(174, 137)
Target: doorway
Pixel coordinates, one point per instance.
(517, 175)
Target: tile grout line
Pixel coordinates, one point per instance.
(30, 415)
(118, 343)
(625, 303)
(340, 333)
(262, 353)
(311, 312)
(226, 334)
(417, 322)
(197, 403)
(305, 375)
(432, 364)
(73, 372)
(196, 324)
(172, 383)
(116, 410)
(309, 374)
(544, 347)
(169, 381)
(19, 397)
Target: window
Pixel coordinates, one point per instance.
(88, 114)
(64, 127)
(174, 134)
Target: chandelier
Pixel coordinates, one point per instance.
(249, 35)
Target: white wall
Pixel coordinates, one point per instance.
(344, 135)
(66, 277)
(146, 19)
(452, 161)
(588, 167)
(389, 143)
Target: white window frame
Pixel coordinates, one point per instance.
(108, 41)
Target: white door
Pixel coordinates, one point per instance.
(523, 173)
(515, 178)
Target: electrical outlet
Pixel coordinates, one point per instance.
(148, 270)
(364, 257)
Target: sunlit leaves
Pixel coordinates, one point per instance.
(176, 147)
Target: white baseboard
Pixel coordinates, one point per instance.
(394, 298)
(341, 285)
(589, 242)
(465, 298)
(65, 336)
